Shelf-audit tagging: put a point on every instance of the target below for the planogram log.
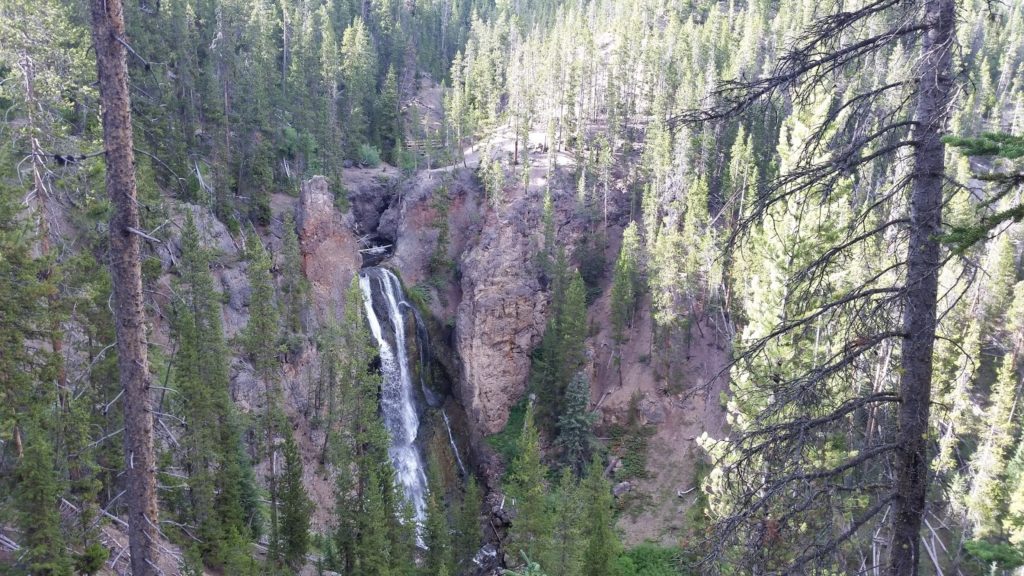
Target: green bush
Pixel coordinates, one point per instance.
(419, 296)
(650, 560)
(369, 156)
(998, 555)
(504, 442)
(92, 559)
(341, 198)
(406, 160)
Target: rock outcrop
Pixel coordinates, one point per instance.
(501, 316)
(495, 299)
(330, 252)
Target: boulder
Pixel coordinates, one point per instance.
(622, 488)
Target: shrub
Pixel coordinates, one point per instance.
(650, 560)
(406, 160)
(368, 156)
(504, 442)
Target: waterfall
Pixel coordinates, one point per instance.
(451, 440)
(398, 404)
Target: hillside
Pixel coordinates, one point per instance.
(602, 288)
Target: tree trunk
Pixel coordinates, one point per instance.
(923, 261)
(126, 273)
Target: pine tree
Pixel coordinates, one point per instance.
(389, 131)
(572, 331)
(37, 495)
(403, 531)
(575, 425)
(25, 289)
(437, 533)
(221, 498)
(359, 65)
(602, 543)
(126, 268)
(359, 447)
(373, 546)
(569, 521)
(626, 282)
(260, 341)
(531, 529)
(261, 333)
(294, 286)
(994, 500)
(468, 534)
(295, 505)
(998, 146)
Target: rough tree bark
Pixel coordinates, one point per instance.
(126, 271)
(921, 292)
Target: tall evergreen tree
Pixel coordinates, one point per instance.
(626, 282)
(602, 543)
(437, 533)
(468, 534)
(373, 545)
(260, 341)
(294, 286)
(575, 425)
(295, 505)
(568, 526)
(531, 529)
(358, 69)
(220, 495)
(126, 268)
(38, 494)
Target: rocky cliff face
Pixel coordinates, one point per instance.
(494, 300)
(330, 250)
(501, 316)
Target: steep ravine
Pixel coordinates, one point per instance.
(486, 313)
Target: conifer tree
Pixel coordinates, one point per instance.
(404, 530)
(575, 433)
(572, 331)
(569, 522)
(37, 495)
(221, 497)
(359, 64)
(1010, 149)
(261, 333)
(294, 286)
(602, 543)
(437, 533)
(389, 131)
(373, 546)
(531, 529)
(295, 505)
(125, 248)
(995, 486)
(468, 535)
(260, 340)
(26, 289)
(626, 282)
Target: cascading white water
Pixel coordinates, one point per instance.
(398, 404)
(451, 440)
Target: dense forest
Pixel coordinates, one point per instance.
(480, 287)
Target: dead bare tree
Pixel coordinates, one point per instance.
(125, 266)
(790, 506)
